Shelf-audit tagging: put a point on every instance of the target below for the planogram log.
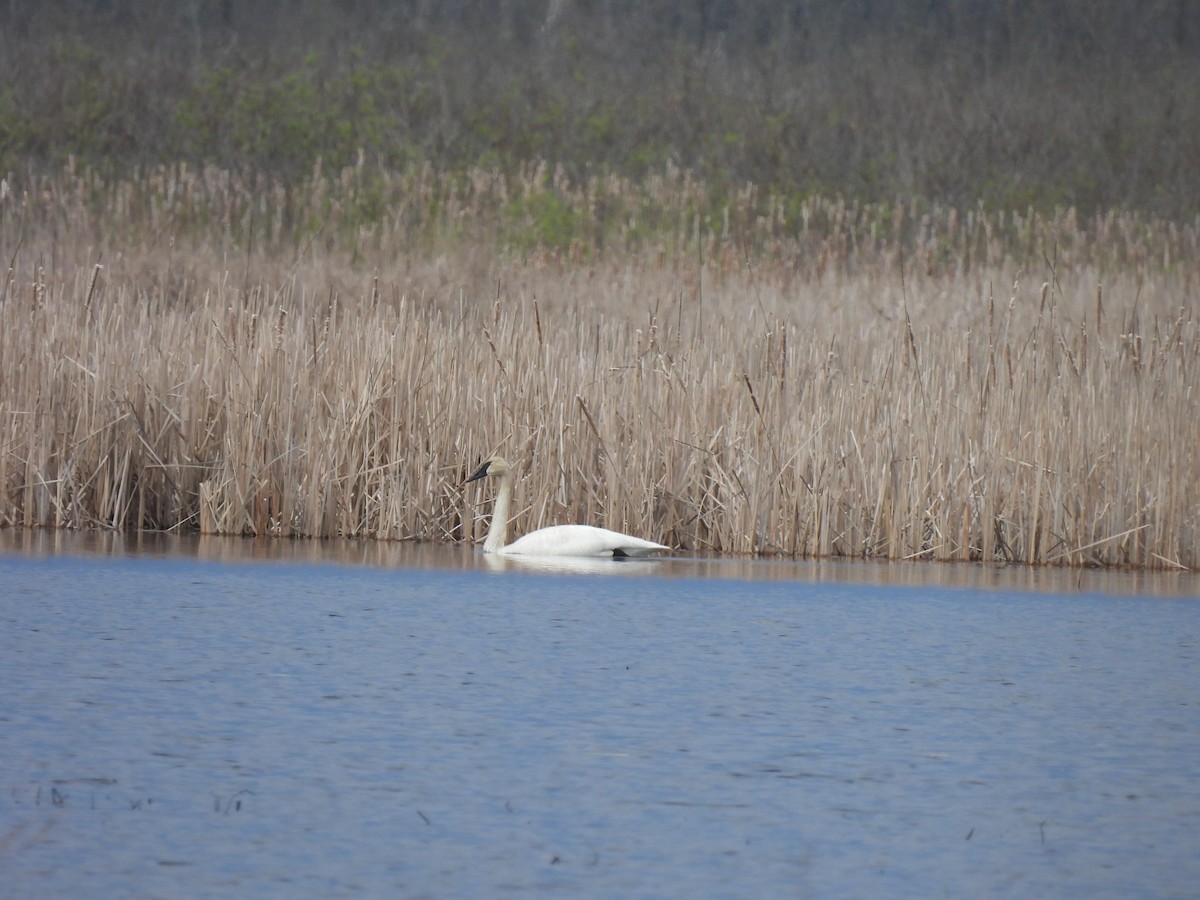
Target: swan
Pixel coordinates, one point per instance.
(557, 540)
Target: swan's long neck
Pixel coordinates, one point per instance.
(498, 530)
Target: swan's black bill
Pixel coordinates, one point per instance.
(483, 470)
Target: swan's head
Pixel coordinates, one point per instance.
(494, 466)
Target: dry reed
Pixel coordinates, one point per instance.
(178, 352)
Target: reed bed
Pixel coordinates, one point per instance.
(740, 373)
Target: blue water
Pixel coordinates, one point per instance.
(173, 726)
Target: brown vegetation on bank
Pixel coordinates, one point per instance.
(883, 380)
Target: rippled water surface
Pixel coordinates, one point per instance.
(193, 718)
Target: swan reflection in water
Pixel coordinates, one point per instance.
(572, 565)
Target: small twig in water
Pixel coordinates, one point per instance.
(233, 804)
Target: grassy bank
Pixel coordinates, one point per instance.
(731, 370)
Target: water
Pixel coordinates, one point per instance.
(183, 719)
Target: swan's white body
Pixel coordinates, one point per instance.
(557, 540)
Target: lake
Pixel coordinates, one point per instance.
(193, 717)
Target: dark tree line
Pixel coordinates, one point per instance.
(1136, 29)
(1006, 101)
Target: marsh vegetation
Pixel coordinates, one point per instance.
(327, 345)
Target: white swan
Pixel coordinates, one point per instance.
(557, 540)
